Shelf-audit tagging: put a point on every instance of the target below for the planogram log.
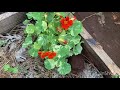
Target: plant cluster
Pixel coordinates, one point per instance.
(53, 36)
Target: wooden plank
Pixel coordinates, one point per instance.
(98, 50)
(9, 19)
(99, 53)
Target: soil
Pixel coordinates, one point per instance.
(105, 28)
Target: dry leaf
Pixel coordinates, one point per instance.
(19, 55)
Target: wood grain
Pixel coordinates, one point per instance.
(100, 53)
(9, 19)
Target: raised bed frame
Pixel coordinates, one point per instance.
(9, 19)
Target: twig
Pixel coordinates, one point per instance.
(4, 64)
(88, 17)
(89, 62)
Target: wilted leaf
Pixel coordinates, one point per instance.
(19, 55)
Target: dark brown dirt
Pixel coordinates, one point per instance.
(77, 63)
(107, 35)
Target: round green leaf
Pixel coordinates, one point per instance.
(38, 27)
(26, 22)
(35, 15)
(29, 15)
(76, 39)
(64, 69)
(30, 28)
(77, 49)
(49, 64)
(76, 28)
(64, 50)
(36, 46)
(33, 52)
(50, 16)
(27, 42)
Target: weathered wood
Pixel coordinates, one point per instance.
(9, 19)
(100, 53)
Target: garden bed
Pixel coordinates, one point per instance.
(104, 28)
(34, 68)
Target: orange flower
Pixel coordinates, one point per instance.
(47, 53)
(43, 55)
(66, 23)
(52, 55)
(39, 52)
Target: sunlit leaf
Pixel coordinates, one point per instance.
(49, 64)
(64, 69)
(6, 67)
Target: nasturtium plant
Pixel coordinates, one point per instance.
(54, 37)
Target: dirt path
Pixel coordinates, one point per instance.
(105, 28)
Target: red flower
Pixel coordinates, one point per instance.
(65, 42)
(47, 53)
(39, 52)
(66, 23)
(52, 55)
(43, 55)
(61, 16)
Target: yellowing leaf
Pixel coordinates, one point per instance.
(44, 25)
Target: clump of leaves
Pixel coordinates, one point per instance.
(2, 42)
(116, 76)
(56, 32)
(10, 69)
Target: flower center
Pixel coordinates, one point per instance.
(65, 22)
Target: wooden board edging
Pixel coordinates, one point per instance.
(9, 19)
(101, 53)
